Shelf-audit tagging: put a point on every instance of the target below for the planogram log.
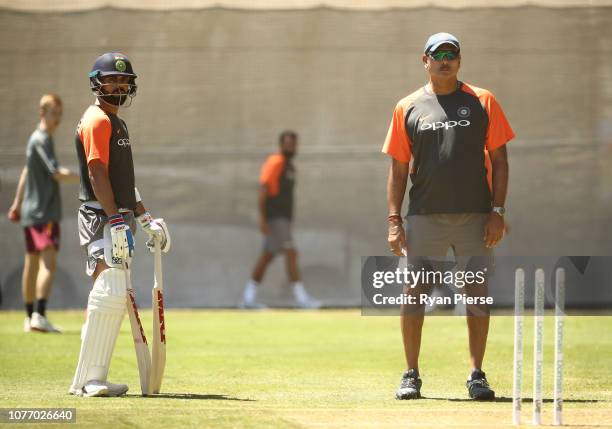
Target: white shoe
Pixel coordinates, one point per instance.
(248, 298)
(302, 299)
(253, 305)
(97, 388)
(27, 327)
(90, 390)
(41, 324)
(116, 389)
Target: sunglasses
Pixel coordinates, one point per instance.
(441, 55)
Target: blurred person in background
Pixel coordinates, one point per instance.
(275, 198)
(37, 206)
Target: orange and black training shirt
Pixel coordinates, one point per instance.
(446, 138)
(104, 136)
(278, 176)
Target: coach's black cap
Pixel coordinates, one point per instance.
(438, 39)
(112, 63)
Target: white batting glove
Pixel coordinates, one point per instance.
(156, 229)
(122, 239)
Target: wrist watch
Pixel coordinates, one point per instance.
(499, 210)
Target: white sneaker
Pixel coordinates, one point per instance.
(41, 324)
(253, 305)
(97, 388)
(90, 390)
(248, 298)
(116, 389)
(302, 299)
(27, 327)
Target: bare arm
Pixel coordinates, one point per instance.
(396, 188)
(20, 187)
(140, 209)
(14, 213)
(65, 176)
(496, 226)
(101, 186)
(261, 204)
(499, 161)
(396, 185)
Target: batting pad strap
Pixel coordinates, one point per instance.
(105, 310)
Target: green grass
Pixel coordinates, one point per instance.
(291, 369)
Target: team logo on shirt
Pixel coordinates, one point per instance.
(463, 112)
(123, 142)
(446, 125)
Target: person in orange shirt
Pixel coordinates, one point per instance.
(277, 181)
(111, 207)
(449, 137)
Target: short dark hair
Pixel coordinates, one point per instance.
(285, 134)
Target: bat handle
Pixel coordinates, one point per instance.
(159, 282)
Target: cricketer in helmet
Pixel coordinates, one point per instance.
(110, 210)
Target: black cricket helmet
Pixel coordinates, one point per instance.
(112, 63)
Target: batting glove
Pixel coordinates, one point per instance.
(121, 236)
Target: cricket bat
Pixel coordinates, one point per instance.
(143, 357)
(159, 327)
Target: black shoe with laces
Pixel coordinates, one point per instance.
(478, 387)
(410, 387)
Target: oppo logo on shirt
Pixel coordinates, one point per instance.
(446, 125)
(123, 142)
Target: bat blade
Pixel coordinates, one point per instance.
(159, 341)
(143, 357)
(159, 326)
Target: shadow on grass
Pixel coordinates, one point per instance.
(204, 397)
(505, 399)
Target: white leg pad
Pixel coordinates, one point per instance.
(105, 310)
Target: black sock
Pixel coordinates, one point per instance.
(41, 305)
(29, 308)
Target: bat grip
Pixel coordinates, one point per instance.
(159, 283)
